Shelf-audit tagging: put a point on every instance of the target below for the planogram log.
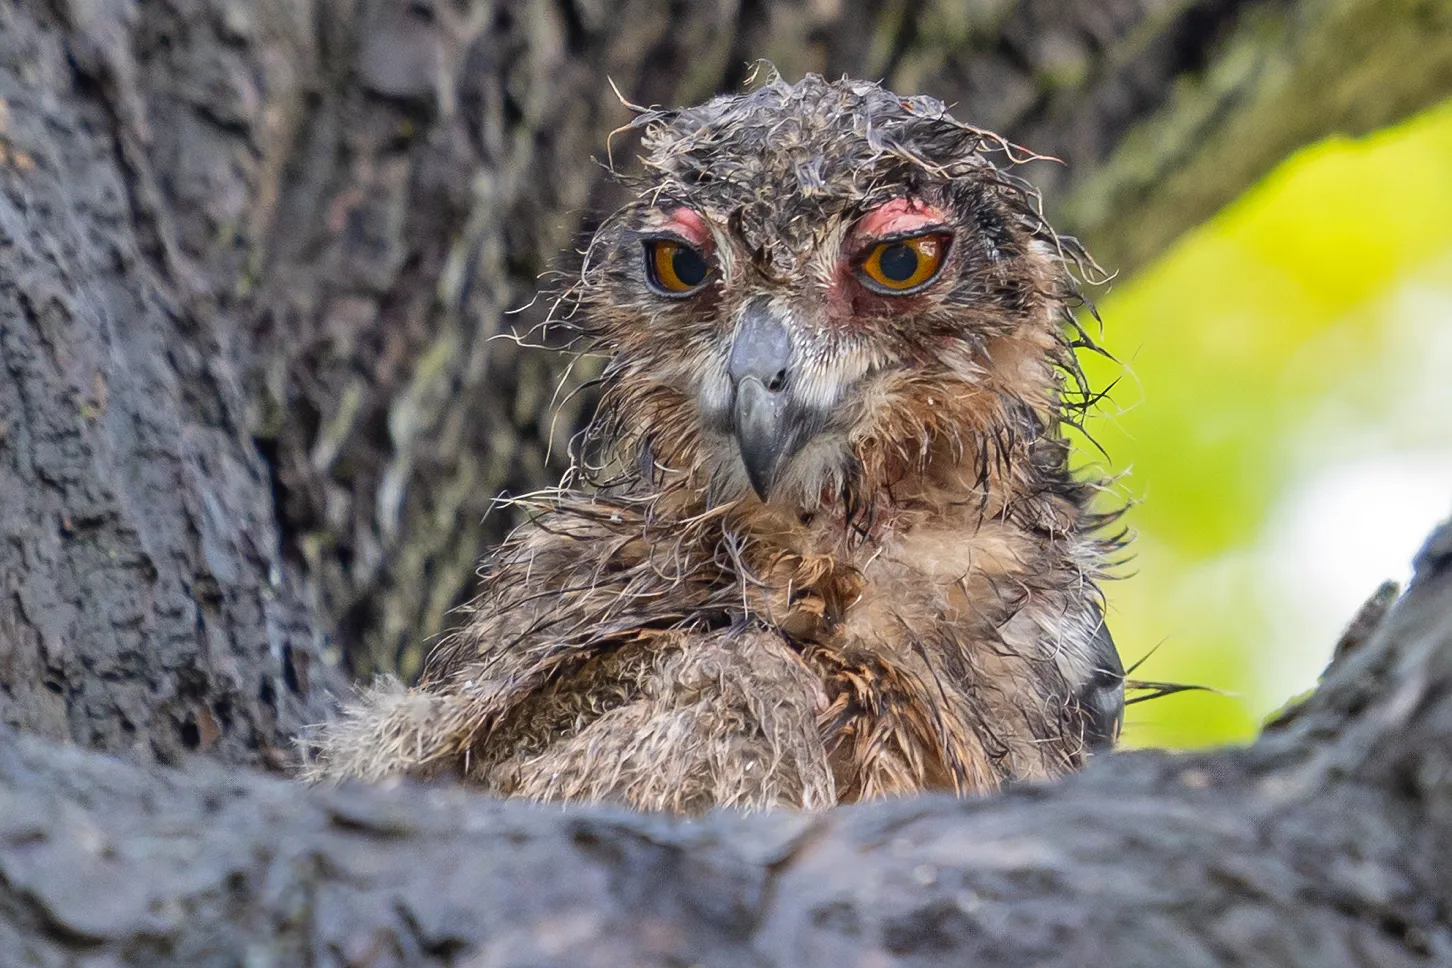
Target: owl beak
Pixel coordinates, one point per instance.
(760, 432)
(764, 419)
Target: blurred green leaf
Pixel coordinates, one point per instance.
(1260, 351)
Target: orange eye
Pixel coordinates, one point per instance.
(904, 264)
(674, 268)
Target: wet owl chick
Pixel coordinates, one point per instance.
(832, 549)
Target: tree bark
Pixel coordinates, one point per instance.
(255, 257)
(1325, 844)
(252, 258)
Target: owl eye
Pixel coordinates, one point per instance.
(903, 265)
(674, 268)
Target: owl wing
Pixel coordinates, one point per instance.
(1102, 694)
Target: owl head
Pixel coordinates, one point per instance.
(823, 291)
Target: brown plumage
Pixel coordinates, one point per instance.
(831, 548)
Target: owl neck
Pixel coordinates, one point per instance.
(974, 448)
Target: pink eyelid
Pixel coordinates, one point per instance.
(899, 217)
(688, 224)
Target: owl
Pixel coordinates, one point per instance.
(823, 543)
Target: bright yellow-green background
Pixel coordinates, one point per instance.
(1284, 413)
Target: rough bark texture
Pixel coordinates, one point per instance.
(144, 605)
(252, 256)
(1326, 844)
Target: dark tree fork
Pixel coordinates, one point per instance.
(254, 255)
(834, 551)
(251, 258)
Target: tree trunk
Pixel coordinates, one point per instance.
(252, 261)
(255, 256)
(1325, 845)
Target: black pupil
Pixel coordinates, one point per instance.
(898, 262)
(688, 266)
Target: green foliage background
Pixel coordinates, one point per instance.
(1283, 421)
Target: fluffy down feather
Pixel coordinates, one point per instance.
(913, 604)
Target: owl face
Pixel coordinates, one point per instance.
(808, 267)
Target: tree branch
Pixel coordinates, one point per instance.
(1325, 844)
(252, 261)
(1279, 76)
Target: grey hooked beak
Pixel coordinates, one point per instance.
(767, 424)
